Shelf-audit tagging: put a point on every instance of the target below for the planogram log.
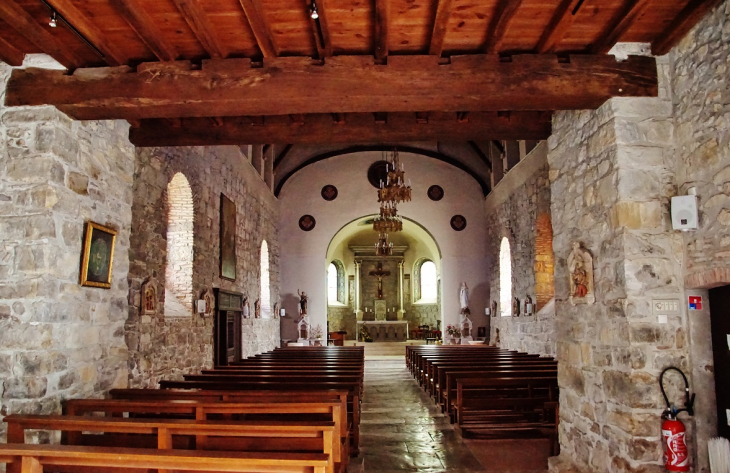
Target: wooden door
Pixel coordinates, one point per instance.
(720, 319)
(227, 328)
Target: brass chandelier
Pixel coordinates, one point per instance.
(393, 191)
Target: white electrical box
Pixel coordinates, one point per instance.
(684, 212)
(201, 306)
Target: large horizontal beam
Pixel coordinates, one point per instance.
(356, 128)
(343, 84)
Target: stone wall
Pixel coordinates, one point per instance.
(59, 340)
(519, 209)
(342, 318)
(166, 347)
(369, 285)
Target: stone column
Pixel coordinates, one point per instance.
(610, 186)
(358, 308)
(401, 270)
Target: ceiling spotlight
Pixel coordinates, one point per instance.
(53, 23)
(313, 11)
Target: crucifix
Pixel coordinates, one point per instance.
(379, 274)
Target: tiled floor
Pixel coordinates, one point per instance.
(402, 430)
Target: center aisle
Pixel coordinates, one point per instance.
(402, 430)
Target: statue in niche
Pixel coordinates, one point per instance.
(464, 299)
(496, 337)
(276, 310)
(302, 303)
(207, 296)
(149, 297)
(515, 307)
(257, 309)
(494, 308)
(580, 269)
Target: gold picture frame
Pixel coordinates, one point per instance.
(98, 256)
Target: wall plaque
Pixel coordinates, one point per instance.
(329, 192)
(435, 193)
(307, 223)
(458, 222)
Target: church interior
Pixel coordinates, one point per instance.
(365, 235)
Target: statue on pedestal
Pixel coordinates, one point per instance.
(302, 303)
(580, 268)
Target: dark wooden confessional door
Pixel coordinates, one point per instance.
(720, 317)
(227, 329)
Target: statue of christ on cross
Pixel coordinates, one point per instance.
(379, 274)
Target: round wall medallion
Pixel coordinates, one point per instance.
(435, 193)
(307, 223)
(458, 222)
(377, 172)
(329, 192)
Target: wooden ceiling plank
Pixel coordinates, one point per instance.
(382, 21)
(203, 29)
(21, 21)
(443, 12)
(345, 84)
(141, 22)
(87, 28)
(503, 15)
(10, 55)
(627, 15)
(558, 26)
(321, 129)
(690, 15)
(261, 30)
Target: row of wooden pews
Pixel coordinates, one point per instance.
(289, 410)
(489, 391)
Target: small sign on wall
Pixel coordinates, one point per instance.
(695, 302)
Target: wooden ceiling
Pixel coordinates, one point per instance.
(187, 72)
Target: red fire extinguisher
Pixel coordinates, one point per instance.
(676, 457)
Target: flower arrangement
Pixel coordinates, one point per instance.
(365, 335)
(453, 331)
(316, 332)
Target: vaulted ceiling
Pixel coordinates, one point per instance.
(204, 72)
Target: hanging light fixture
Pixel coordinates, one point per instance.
(391, 192)
(313, 11)
(52, 22)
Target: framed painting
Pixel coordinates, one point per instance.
(98, 256)
(228, 238)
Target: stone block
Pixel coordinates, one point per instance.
(25, 388)
(78, 183)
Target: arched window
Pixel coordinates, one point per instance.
(505, 279)
(179, 269)
(265, 282)
(425, 282)
(429, 282)
(336, 283)
(332, 283)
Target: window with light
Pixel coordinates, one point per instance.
(505, 279)
(429, 282)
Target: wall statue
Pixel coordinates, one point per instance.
(515, 307)
(302, 302)
(580, 269)
(148, 304)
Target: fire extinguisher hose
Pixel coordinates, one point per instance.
(689, 400)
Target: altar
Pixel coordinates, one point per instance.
(384, 330)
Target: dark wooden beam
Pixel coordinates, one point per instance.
(146, 29)
(280, 158)
(359, 128)
(89, 30)
(320, 29)
(690, 15)
(627, 15)
(9, 54)
(22, 22)
(260, 27)
(498, 26)
(203, 29)
(230, 87)
(382, 20)
(443, 12)
(297, 118)
(475, 147)
(558, 26)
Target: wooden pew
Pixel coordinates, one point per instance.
(507, 406)
(252, 436)
(203, 411)
(291, 386)
(36, 458)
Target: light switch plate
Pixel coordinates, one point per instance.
(661, 318)
(728, 342)
(665, 306)
(727, 415)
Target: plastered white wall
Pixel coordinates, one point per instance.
(303, 254)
